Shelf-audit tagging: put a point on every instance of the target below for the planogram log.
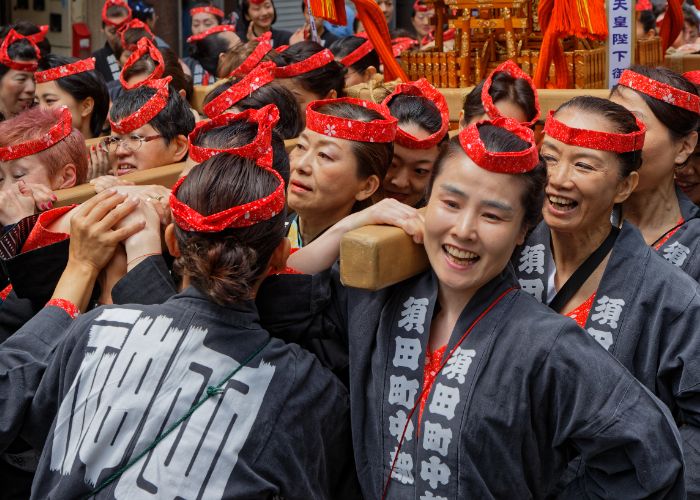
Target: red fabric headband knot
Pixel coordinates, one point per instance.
(693, 77)
(594, 139)
(66, 70)
(661, 91)
(115, 3)
(58, 132)
(13, 37)
(207, 10)
(353, 130)
(41, 36)
(422, 88)
(148, 111)
(357, 54)
(259, 150)
(143, 47)
(512, 162)
(512, 69)
(262, 75)
(133, 24)
(211, 31)
(264, 46)
(318, 60)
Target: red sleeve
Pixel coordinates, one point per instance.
(40, 236)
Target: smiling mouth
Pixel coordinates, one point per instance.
(123, 169)
(562, 204)
(459, 256)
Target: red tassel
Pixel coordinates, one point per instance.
(672, 24)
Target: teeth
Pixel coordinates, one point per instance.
(561, 201)
(460, 254)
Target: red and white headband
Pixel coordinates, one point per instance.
(13, 37)
(511, 162)
(383, 130)
(259, 149)
(66, 70)
(264, 46)
(262, 75)
(422, 88)
(594, 139)
(143, 47)
(115, 3)
(357, 54)
(402, 44)
(419, 6)
(211, 31)
(692, 76)
(207, 10)
(512, 69)
(134, 24)
(318, 60)
(148, 111)
(57, 133)
(41, 35)
(661, 91)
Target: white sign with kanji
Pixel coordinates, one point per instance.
(621, 22)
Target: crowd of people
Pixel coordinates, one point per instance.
(197, 341)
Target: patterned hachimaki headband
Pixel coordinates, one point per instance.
(57, 133)
(115, 3)
(207, 10)
(134, 24)
(148, 111)
(594, 139)
(661, 91)
(512, 69)
(692, 76)
(66, 70)
(383, 130)
(511, 162)
(261, 75)
(264, 46)
(422, 88)
(211, 31)
(143, 47)
(13, 37)
(357, 54)
(318, 60)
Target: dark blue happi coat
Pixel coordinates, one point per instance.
(646, 313)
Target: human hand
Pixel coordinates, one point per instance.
(390, 212)
(107, 181)
(15, 204)
(98, 161)
(298, 36)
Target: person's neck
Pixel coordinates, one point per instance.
(312, 225)
(261, 33)
(653, 211)
(571, 249)
(4, 111)
(452, 303)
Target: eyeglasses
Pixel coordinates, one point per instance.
(424, 16)
(131, 143)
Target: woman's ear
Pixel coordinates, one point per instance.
(332, 94)
(626, 187)
(462, 124)
(369, 73)
(179, 145)
(368, 187)
(171, 241)
(686, 148)
(86, 106)
(66, 177)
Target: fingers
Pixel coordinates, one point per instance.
(127, 230)
(102, 203)
(117, 213)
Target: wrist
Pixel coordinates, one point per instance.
(81, 269)
(132, 263)
(142, 245)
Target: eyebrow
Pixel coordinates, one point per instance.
(499, 205)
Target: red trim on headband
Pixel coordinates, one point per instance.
(148, 111)
(264, 46)
(318, 60)
(259, 150)
(357, 54)
(352, 130)
(512, 69)
(41, 35)
(515, 162)
(401, 44)
(693, 77)
(421, 88)
(262, 75)
(115, 3)
(594, 139)
(207, 10)
(66, 70)
(134, 24)
(13, 37)
(661, 91)
(57, 133)
(211, 31)
(143, 47)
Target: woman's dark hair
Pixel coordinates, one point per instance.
(289, 125)
(81, 86)
(245, 5)
(319, 81)
(679, 122)
(503, 86)
(116, 11)
(132, 37)
(648, 20)
(618, 117)
(207, 3)
(173, 120)
(373, 158)
(344, 46)
(418, 110)
(145, 66)
(207, 50)
(27, 28)
(689, 16)
(499, 140)
(240, 133)
(225, 266)
(21, 50)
